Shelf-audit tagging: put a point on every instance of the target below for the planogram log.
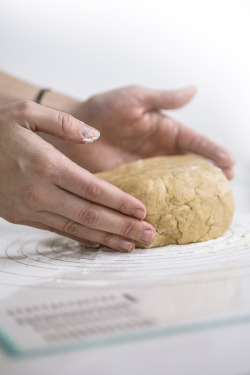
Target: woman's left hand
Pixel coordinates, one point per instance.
(132, 126)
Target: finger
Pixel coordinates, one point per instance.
(38, 225)
(58, 124)
(80, 182)
(156, 99)
(74, 230)
(229, 172)
(189, 140)
(98, 217)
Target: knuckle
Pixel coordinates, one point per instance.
(88, 216)
(128, 228)
(93, 192)
(46, 169)
(214, 151)
(71, 227)
(39, 165)
(25, 107)
(44, 165)
(107, 240)
(32, 195)
(65, 122)
(123, 205)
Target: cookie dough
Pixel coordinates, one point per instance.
(187, 198)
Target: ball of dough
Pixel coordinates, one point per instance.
(187, 198)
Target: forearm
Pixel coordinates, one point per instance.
(13, 89)
(4, 99)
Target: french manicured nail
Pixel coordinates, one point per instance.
(139, 213)
(89, 134)
(125, 245)
(147, 236)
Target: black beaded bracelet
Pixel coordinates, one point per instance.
(40, 95)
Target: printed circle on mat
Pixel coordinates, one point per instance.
(41, 257)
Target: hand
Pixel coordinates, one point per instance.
(133, 127)
(42, 188)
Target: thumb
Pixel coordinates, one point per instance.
(59, 124)
(156, 99)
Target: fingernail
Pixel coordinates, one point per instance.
(147, 236)
(139, 213)
(89, 134)
(125, 245)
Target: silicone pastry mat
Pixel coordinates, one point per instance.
(58, 295)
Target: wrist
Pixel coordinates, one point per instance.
(61, 102)
(14, 89)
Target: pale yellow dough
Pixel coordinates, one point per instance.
(187, 198)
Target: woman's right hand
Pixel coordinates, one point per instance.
(42, 188)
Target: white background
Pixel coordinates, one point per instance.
(84, 47)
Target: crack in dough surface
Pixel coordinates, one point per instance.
(187, 198)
